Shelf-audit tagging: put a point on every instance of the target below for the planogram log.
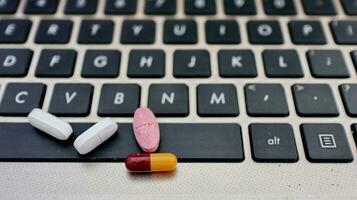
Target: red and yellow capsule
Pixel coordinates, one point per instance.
(151, 162)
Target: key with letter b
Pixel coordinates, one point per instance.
(119, 100)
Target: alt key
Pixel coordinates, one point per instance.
(273, 143)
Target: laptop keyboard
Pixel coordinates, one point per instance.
(275, 75)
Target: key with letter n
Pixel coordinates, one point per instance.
(169, 100)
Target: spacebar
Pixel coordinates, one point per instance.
(190, 143)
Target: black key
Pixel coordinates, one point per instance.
(14, 30)
(200, 7)
(240, 7)
(14, 62)
(327, 64)
(8, 6)
(236, 63)
(120, 7)
(54, 31)
(146, 64)
(180, 32)
(354, 58)
(218, 143)
(20, 98)
(264, 32)
(81, 7)
(264, 100)
(96, 32)
(273, 143)
(119, 100)
(138, 32)
(160, 7)
(350, 6)
(314, 100)
(71, 100)
(279, 7)
(169, 100)
(101, 64)
(217, 100)
(222, 32)
(344, 32)
(325, 143)
(306, 32)
(192, 64)
(282, 63)
(41, 6)
(354, 132)
(319, 7)
(56, 63)
(349, 96)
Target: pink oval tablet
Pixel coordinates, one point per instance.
(146, 129)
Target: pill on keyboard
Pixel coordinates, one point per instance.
(95, 135)
(50, 124)
(151, 162)
(146, 129)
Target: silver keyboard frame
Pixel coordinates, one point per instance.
(245, 180)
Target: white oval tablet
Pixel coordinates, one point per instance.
(50, 124)
(95, 135)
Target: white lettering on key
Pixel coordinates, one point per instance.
(279, 4)
(95, 28)
(266, 98)
(265, 30)
(159, 3)
(70, 97)
(307, 29)
(180, 30)
(274, 141)
(192, 62)
(146, 61)
(52, 29)
(350, 31)
(222, 30)
(10, 29)
(239, 3)
(120, 3)
(282, 62)
(299, 88)
(55, 60)
(218, 99)
(200, 3)
(3, 3)
(81, 3)
(100, 61)
(165, 97)
(137, 28)
(41, 3)
(328, 61)
(18, 98)
(119, 98)
(9, 61)
(236, 61)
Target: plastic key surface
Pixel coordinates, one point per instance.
(217, 143)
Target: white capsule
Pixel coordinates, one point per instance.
(95, 135)
(50, 124)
